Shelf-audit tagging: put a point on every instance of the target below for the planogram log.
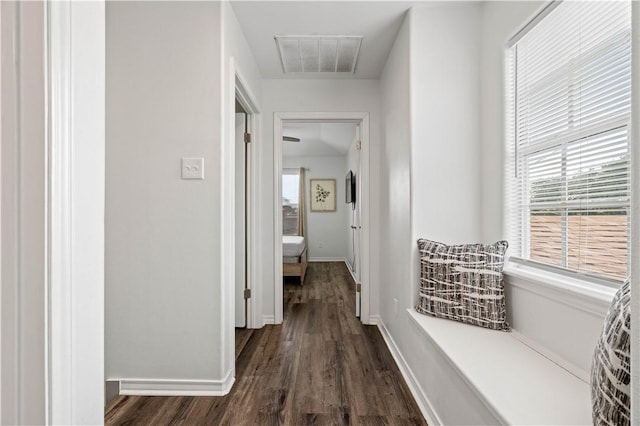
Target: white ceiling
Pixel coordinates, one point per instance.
(377, 21)
(318, 139)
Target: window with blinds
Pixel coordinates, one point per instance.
(290, 205)
(568, 117)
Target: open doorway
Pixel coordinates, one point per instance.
(244, 139)
(319, 205)
(322, 157)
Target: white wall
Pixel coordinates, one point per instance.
(445, 149)
(236, 47)
(8, 215)
(442, 109)
(395, 185)
(430, 90)
(325, 230)
(163, 253)
(24, 214)
(430, 176)
(313, 96)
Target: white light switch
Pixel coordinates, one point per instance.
(193, 168)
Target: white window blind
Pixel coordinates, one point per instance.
(567, 163)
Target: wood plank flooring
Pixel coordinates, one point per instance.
(320, 367)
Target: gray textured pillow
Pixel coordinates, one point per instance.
(610, 369)
(463, 283)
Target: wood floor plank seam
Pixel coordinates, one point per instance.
(320, 366)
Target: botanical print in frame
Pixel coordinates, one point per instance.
(323, 195)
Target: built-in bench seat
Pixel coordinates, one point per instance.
(515, 383)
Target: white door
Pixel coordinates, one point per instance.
(356, 224)
(240, 231)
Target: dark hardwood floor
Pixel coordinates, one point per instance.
(321, 366)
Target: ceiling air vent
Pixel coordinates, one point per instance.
(336, 54)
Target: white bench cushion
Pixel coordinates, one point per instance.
(516, 383)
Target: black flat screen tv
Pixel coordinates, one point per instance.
(350, 188)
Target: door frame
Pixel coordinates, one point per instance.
(356, 269)
(237, 88)
(246, 99)
(75, 145)
(362, 119)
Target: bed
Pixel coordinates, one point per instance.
(294, 257)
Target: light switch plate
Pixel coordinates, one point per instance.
(193, 168)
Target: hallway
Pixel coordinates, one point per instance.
(321, 366)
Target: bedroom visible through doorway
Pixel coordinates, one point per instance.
(321, 192)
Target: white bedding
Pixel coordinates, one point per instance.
(292, 245)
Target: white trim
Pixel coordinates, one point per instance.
(226, 174)
(635, 212)
(248, 101)
(365, 220)
(375, 320)
(268, 319)
(1, 242)
(355, 280)
(233, 85)
(255, 301)
(552, 356)
(59, 305)
(172, 387)
(426, 407)
(573, 292)
(543, 11)
(362, 118)
(277, 218)
(327, 259)
(74, 286)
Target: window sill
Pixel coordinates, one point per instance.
(578, 293)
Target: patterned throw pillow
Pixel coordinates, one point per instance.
(463, 283)
(610, 369)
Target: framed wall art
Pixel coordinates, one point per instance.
(323, 195)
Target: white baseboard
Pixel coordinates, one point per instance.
(256, 325)
(375, 320)
(350, 271)
(421, 399)
(327, 259)
(268, 319)
(171, 387)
